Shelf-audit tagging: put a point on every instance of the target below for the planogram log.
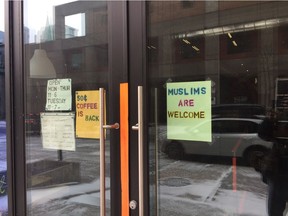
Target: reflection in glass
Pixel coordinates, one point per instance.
(241, 48)
(3, 147)
(75, 25)
(62, 169)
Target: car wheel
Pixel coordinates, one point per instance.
(175, 151)
(254, 156)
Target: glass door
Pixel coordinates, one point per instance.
(215, 71)
(3, 142)
(71, 52)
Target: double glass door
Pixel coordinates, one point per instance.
(189, 83)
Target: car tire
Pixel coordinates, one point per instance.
(175, 151)
(253, 156)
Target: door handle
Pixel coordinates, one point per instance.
(135, 127)
(139, 128)
(102, 149)
(114, 126)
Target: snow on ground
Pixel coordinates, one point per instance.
(2, 124)
(240, 203)
(3, 204)
(3, 166)
(207, 189)
(40, 196)
(229, 201)
(206, 197)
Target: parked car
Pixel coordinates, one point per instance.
(230, 137)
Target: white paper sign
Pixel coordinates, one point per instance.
(58, 131)
(59, 95)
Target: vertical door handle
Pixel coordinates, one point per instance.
(102, 149)
(139, 128)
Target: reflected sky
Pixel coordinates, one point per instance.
(42, 15)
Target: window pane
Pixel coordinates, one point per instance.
(3, 159)
(75, 25)
(240, 48)
(66, 58)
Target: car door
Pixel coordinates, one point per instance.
(204, 148)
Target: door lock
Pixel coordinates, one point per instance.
(133, 204)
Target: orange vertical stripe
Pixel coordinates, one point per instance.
(124, 148)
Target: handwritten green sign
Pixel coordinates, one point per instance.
(189, 111)
(59, 95)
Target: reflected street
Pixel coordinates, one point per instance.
(198, 188)
(3, 169)
(207, 189)
(71, 196)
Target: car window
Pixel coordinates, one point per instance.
(231, 127)
(216, 127)
(238, 111)
(234, 126)
(251, 127)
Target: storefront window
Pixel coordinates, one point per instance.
(240, 49)
(3, 158)
(66, 62)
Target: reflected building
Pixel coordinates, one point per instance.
(230, 43)
(70, 53)
(241, 44)
(206, 41)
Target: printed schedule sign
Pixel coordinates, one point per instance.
(87, 114)
(189, 111)
(58, 95)
(58, 131)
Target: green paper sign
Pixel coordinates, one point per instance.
(189, 111)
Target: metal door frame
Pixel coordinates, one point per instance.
(14, 80)
(137, 74)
